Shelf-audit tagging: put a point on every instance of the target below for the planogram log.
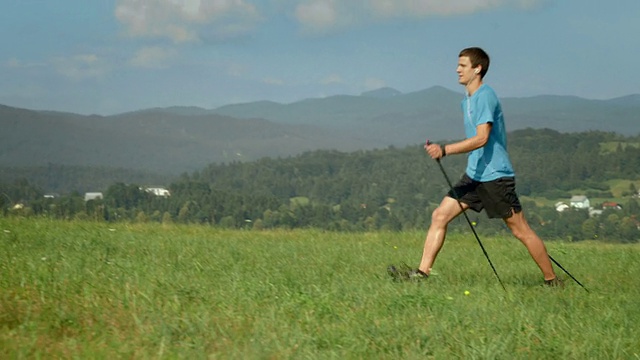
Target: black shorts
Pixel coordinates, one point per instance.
(498, 197)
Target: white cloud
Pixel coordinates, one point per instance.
(374, 84)
(317, 14)
(185, 20)
(194, 20)
(422, 8)
(152, 57)
(326, 15)
(19, 64)
(332, 79)
(80, 67)
(417, 8)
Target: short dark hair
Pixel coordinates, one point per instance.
(477, 56)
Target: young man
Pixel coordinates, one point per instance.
(488, 182)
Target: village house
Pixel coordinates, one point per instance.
(611, 205)
(93, 196)
(158, 191)
(561, 206)
(580, 202)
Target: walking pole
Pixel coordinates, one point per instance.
(565, 270)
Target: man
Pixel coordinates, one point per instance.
(488, 182)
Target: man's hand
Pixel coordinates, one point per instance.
(434, 150)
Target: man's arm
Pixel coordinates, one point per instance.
(464, 146)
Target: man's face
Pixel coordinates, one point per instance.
(466, 73)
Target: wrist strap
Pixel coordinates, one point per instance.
(444, 152)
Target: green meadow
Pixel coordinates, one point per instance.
(149, 291)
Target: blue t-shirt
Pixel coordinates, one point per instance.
(491, 161)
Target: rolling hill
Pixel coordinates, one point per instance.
(159, 141)
(178, 139)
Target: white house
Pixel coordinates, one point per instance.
(560, 206)
(158, 191)
(580, 202)
(93, 196)
(595, 212)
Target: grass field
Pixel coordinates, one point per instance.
(94, 290)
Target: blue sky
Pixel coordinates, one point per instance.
(112, 56)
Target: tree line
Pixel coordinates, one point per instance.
(386, 189)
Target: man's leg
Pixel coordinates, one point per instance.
(440, 219)
(521, 230)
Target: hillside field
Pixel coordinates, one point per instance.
(99, 290)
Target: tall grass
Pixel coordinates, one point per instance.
(94, 290)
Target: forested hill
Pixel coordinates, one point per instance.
(393, 188)
(546, 162)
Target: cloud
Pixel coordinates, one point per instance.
(186, 20)
(374, 83)
(417, 8)
(19, 64)
(154, 57)
(327, 15)
(332, 79)
(81, 67)
(317, 14)
(183, 21)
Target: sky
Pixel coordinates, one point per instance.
(112, 56)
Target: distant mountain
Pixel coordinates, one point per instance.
(157, 140)
(382, 121)
(629, 100)
(574, 114)
(178, 139)
(176, 110)
(382, 93)
(435, 112)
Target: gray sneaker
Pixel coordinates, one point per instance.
(405, 273)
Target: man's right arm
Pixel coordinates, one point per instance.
(437, 151)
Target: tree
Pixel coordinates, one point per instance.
(632, 207)
(590, 229)
(270, 218)
(141, 217)
(258, 224)
(166, 218)
(610, 226)
(629, 230)
(570, 223)
(228, 222)
(183, 214)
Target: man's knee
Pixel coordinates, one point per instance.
(442, 216)
(519, 226)
(519, 233)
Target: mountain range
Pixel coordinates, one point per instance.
(181, 139)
